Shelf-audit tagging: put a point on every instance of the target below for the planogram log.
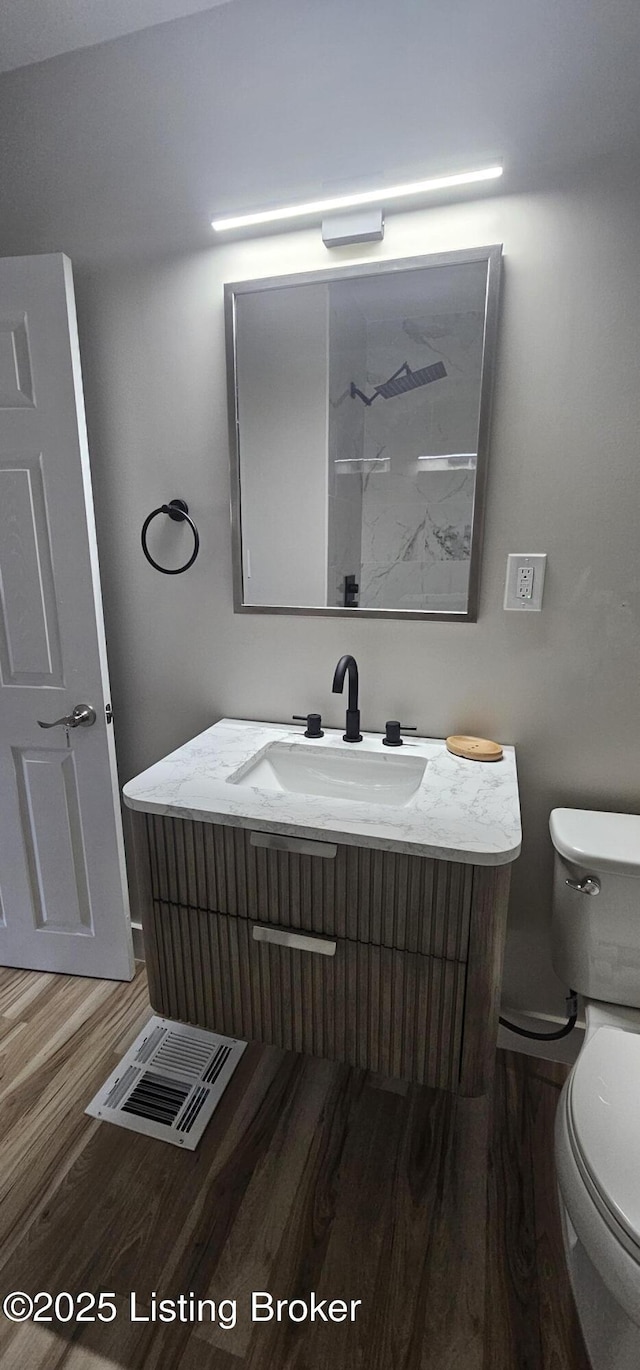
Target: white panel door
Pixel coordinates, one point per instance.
(63, 888)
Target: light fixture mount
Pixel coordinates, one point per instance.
(360, 226)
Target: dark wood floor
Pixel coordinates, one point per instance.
(438, 1214)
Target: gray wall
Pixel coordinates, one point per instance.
(282, 431)
(564, 466)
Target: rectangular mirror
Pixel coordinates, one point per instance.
(359, 415)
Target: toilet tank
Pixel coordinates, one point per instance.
(595, 932)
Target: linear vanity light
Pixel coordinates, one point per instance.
(366, 197)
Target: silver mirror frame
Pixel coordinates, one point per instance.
(492, 255)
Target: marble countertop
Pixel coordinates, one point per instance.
(465, 811)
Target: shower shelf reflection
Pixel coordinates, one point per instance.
(449, 461)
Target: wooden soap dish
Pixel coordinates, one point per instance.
(474, 748)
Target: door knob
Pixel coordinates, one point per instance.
(82, 716)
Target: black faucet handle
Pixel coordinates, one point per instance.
(313, 722)
(393, 729)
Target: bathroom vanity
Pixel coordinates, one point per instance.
(347, 902)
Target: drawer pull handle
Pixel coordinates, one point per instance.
(320, 945)
(277, 841)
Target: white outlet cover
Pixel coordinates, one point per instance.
(515, 560)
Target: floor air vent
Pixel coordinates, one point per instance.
(169, 1082)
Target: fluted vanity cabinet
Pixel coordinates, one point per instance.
(394, 964)
(350, 903)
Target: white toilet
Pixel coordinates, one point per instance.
(596, 951)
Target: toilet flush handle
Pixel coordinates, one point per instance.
(588, 885)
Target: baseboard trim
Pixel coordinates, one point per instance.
(138, 941)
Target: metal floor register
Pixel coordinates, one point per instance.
(169, 1083)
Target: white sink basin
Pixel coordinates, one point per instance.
(360, 776)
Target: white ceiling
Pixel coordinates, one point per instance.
(32, 30)
(130, 147)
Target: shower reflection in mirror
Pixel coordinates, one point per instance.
(359, 411)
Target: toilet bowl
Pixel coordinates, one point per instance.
(596, 950)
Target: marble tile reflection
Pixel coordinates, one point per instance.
(392, 521)
(435, 586)
(423, 518)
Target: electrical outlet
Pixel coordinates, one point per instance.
(525, 581)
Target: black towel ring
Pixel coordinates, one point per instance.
(179, 512)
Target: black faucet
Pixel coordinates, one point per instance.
(347, 663)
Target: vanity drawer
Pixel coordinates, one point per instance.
(396, 1013)
(410, 903)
